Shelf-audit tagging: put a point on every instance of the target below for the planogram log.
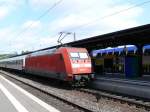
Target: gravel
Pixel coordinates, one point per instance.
(83, 99)
(60, 105)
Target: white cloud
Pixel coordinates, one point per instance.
(12, 3)
(5, 38)
(3, 12)
(74, 21)
(5, 33)
(11, 42)
(7, 6)
(32, 24)
(124, 19)
(68, 22)
(69, 15)
(40, 4)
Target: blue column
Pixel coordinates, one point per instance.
(133, 63)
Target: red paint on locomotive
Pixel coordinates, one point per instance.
(60, 64)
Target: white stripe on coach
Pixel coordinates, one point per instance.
(13, 100)
(43, 104)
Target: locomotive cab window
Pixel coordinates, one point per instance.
(74, 55)
(82, 55)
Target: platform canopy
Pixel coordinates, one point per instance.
(133, 36)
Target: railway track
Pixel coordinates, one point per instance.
(123, 99)
(50, 93)
(81, 104)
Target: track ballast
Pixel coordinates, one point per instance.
(71, 99)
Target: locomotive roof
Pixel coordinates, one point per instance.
(35, 53)
(42, 52)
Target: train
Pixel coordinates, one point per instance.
(68, 64)
(112, 60)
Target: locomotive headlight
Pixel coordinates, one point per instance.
(92, 76)
(77, 77)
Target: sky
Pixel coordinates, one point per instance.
(27, 25)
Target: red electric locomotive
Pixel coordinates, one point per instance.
(64, 63)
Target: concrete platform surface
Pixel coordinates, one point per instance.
(132, 87)
(15, 99)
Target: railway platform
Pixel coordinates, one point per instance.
(15, 99)
(137, 87)
(145, 77)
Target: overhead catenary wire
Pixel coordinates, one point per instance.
(38, 18)
(86, 24)
(49, 9)
(41, 16)
(109, 15)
